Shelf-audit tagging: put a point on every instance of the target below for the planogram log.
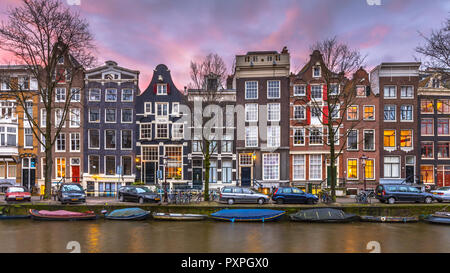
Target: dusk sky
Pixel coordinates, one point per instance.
(140, 34)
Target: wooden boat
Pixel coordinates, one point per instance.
(61, 215)
(248, 215)
(323, 215)
(128, 214)
(442, 218)
(10, 217)
(389, 219)
(178, 216)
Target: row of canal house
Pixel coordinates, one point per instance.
(397, 127)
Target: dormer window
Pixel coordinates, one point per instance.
(162, 89)
(247, 59)
(61, 60)
(255, 58)
(316, 71)
(269, 58)
(277, 57)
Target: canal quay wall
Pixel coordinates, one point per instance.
(370, 209)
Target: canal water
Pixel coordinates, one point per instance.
(224, 237)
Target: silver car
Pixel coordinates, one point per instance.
(442, 193)
(231, 195)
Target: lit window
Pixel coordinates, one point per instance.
(389, 138)
(406, 138)
(352, 112)
(352, 168)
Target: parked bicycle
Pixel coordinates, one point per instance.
(364, 197)
(325, 197)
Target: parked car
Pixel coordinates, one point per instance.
(232, 195)
(139, 194)
(392, 193)
(71, 193)
(17, 193)
(293, 195)
(443, 193)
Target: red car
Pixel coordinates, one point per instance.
(17, 193)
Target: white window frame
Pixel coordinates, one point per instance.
(177, 113)
(304, 112)
(121, 115)
(149, 128)
(264, 165)
(58, 94)
(295, 88)
(72, 115)
(58, 138)
(99, 115)
(389, 86)
(321, 167)
(248, 109)
(115, 115)
(79, 142)
(89, 140)
(320, 71)
(99, 94)
(173, 131)
(294, 177)
(149, 104)
(273, 140)
(268, 89)
(121, 142)
(121, 95)
(293, 136)
(250, 129)
(160, 90)
(106, 94)
(105, 142)
(277, 111)
(246, 90)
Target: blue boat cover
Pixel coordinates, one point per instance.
(126, 212)
(247, 213)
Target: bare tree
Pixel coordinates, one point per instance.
(339, 61)
(205, 97)
(39, 34)
(436, 49)
(211, 64)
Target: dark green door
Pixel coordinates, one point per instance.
(197, 181)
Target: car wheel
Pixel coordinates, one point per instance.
(230, 201)
(141, 200)
(280, 201)
(428, 200)
(261, 201)
(391, 200)
(121, 199)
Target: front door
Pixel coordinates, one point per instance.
(76, 174)
(197, 178)
(149, 173)
(409, 174)
(28, 178)
(246, 176)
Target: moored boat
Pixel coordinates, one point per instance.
(61, 215)
(178, 216)
(438, 218)
(248, 215)
(128, 214)
(10, 217)
(323, 215)
(389, 219)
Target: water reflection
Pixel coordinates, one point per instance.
(208, 236)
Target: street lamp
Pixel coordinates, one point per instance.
(363, 159)
(165, 179)
(254, 163)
